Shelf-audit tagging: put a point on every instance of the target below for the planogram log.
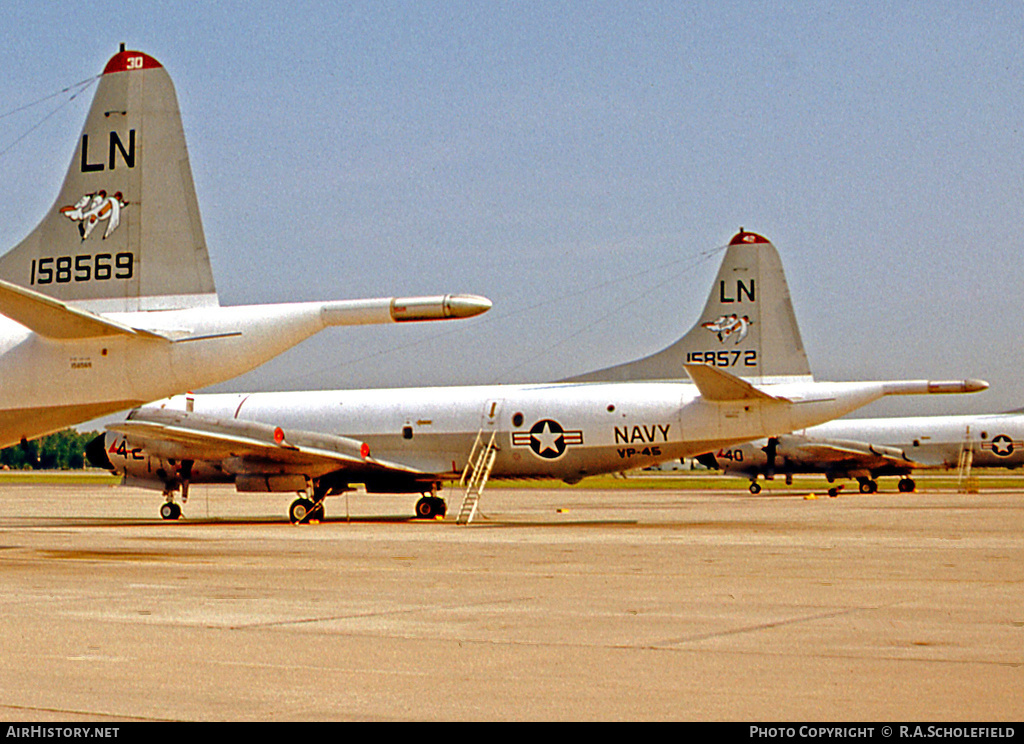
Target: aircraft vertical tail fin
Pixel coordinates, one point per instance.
(747, 328)
(125, 232)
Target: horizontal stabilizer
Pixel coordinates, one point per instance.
(53, 319)
(718, 386)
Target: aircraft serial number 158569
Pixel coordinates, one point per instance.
(85, 267)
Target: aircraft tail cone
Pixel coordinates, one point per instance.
(467, 306)
(974, 386)
(934, 387)
(405, 309)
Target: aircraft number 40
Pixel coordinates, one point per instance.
(735, 455)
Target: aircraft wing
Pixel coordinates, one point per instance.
(836, 451)
(188, 435)
(54, 319)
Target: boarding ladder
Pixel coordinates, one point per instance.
(965, 483)
(474, 477)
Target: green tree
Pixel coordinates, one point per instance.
(64, 450)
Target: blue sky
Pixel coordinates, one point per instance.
(573, 162)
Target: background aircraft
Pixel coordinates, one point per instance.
(410, 440)
(110, 301)
(866, 449)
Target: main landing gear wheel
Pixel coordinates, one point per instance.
(868, 486)
(170, 510)
(303, 510)
(430, 507)
(906, 485)
(755, 488)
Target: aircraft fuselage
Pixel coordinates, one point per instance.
(996, 440)
(868, 448)
(566, 431)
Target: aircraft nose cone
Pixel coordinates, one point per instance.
(96, 453)
(466, 305)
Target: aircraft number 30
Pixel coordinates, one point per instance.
(83, 268)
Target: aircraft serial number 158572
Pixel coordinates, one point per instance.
(724, 358)
(85, 267)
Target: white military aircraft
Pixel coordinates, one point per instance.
(110, 301)
(866, 449)
(410, 440)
